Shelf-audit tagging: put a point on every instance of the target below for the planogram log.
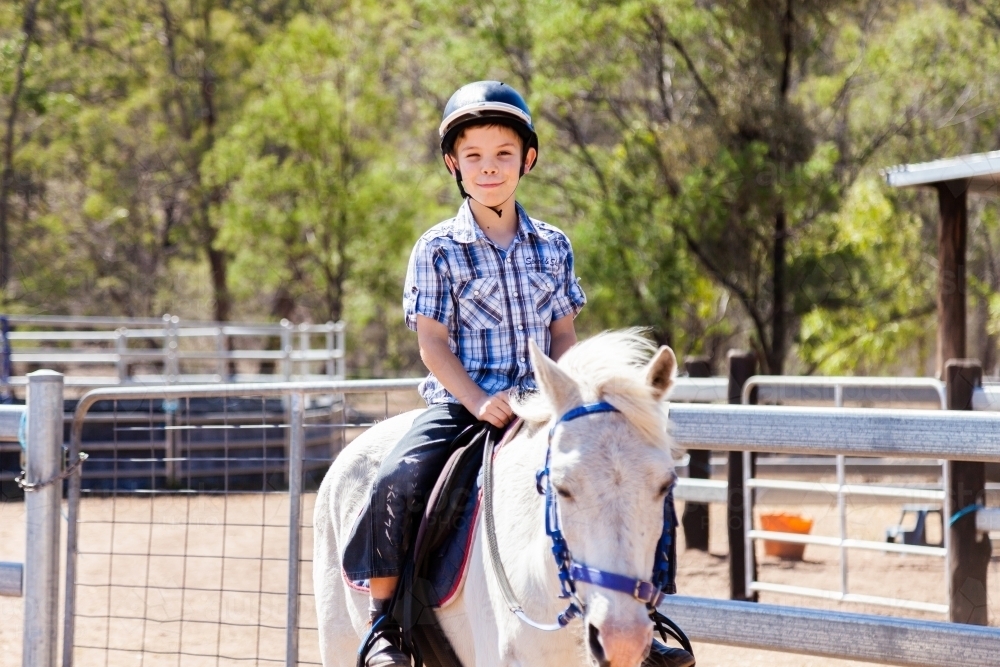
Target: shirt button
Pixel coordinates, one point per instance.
(522, 360)
(508, 260)
(520, 327)
(515, 293)
(475, 293)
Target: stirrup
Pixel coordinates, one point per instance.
(664, 627)
(661, 655)
(385, 627)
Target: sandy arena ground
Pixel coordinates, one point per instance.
(238, 545)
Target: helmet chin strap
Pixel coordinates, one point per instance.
(498, 209)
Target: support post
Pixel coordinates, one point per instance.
(695, 517)
(969, 551)
(742, 365)
(951, 296)
(286, 350)
(41, 562)
(305, 344)
(296, 452)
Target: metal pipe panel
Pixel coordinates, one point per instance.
(864, 637)
(988, 519)
(10, 422)
(11, 579)
(701, 490)
(849, 543)
(851, 389)
(856, 598)
(699, 390)
(830, 489)
(986, 397)
(63, 335)
(953, 435)
(43, 464)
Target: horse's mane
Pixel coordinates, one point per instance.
(608, 367)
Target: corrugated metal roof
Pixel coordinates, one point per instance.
(982, 170)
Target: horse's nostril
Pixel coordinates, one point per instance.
(596, 648)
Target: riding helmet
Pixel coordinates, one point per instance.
(486, 102)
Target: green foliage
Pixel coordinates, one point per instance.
(714, 164)
(319, 202)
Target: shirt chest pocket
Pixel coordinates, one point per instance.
(479, 303)
(543, 287)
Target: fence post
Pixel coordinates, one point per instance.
(695, 517)
(742, 365)
(222, 359)
(969, 552)
(296, 451)
(121, 347)
(41, 562)
(341, 327)
(305, 345)
(330, 361)
(286, 350)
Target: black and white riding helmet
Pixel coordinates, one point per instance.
(486, 102)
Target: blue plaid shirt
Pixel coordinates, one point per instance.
(491, 299)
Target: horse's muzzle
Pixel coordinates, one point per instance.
(618, 649)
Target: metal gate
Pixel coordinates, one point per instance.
(189, 531)
(865, 390)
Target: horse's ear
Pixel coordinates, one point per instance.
(660, 372)
(553, 382)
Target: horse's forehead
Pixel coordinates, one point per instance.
(609, 444)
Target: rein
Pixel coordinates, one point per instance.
(572, 571)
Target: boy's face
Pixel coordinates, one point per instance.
(489, 158)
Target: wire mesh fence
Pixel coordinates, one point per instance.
(183, 545)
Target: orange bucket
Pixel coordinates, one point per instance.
(785, 523)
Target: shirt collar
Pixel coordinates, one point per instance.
(467, 231)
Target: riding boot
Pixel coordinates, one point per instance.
(661, 655)
(386, 649)
(385, 653)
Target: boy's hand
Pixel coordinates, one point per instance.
(494, 409)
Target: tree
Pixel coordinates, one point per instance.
(315, 196)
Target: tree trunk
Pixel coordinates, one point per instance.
(779, 334)
(219, 262)
(7, 173)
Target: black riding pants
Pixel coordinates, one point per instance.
(385, 530)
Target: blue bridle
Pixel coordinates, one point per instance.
(571, 571)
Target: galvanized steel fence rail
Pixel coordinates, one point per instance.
(966, 436)
(788, 430)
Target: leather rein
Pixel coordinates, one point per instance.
(572, 571)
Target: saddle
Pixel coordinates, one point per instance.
(437, 564)
(443, 546)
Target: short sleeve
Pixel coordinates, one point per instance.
(569, 298)
(426, 290)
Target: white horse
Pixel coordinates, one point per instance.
(611, 471)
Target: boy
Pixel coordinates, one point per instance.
(478, 287)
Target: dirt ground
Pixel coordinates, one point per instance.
(150, 606)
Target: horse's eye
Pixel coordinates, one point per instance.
(665, 488)
(564, 493)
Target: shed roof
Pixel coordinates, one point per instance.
(982, 170)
